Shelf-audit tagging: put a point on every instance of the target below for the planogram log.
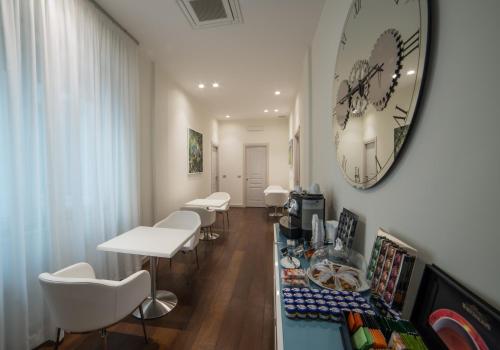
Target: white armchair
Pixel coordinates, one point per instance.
(225, 208)
(186, 219)
(79, 302)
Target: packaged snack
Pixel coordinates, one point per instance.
(301, 311)
(335, 314)
(328, 297)
(320, 302)
(310, 302)
(292, 282)
(312, 311)
(318, 296)
(290, 311)
(323, 312)
(293, 273)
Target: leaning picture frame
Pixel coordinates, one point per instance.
(449, 316)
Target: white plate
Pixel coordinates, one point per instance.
(287, 264)
(363, 283)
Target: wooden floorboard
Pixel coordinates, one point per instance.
(226, 304)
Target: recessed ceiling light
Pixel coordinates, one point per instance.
(266, 110)
(215, 85)
(277, 92)
(410, 72)
(201, 85)
(228, 116)
(276, 110)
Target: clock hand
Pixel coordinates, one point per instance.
(376, 68)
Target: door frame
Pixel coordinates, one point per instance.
(296, 159)
(212, 146)
(366, 142)
(244, 182)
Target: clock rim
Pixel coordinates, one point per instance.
(415, 107)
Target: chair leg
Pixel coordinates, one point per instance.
(143, 324)
(104, 336)
(227, 216)
(196, 254)
(56, 345)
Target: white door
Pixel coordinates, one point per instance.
(371, 162)
(215, 169)
(256, 175)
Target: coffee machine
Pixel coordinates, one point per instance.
(301, 208)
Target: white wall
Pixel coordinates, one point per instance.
(233, 135)
(174, 113)
(300, 121)
(443, 196)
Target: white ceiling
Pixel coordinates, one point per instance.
(249, 61)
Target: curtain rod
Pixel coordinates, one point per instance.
(99, 7)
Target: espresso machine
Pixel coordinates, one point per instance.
(301, 208)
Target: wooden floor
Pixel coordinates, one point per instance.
(226, 304)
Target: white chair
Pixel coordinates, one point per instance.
(207, 217)
(184, 220)
(79, 303)
(224, 209)
(276, 200)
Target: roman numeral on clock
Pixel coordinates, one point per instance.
(344, 163)
(357, 7)
(411, 44)
(401, 117)
(336, 76)
(396, 2)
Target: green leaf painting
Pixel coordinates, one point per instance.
(195, 151)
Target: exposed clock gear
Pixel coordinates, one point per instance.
(359, 100)
(386, 53)
(342, 104)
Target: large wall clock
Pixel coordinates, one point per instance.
(377, 82)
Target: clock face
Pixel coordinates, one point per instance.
(378, 77)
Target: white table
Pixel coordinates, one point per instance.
(206, 203)
(155, 243)
(275, 189)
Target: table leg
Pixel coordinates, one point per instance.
(161, 302)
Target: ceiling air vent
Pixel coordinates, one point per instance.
(211, 13)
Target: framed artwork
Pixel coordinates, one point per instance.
(449, 316)
(290, 152)
(195, 152)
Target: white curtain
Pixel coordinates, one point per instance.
(68, 152)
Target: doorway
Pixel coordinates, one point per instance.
(255, 175)
(215, 168)
(370, 162)
(296, 160)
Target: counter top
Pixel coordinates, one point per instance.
(293, 334)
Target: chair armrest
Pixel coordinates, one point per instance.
(79, 270)
(131, 292)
